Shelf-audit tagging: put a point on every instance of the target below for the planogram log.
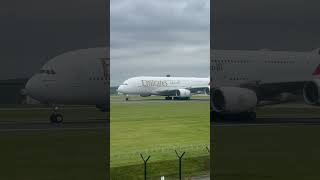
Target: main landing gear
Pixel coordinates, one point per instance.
(56, 117)
(177, 98)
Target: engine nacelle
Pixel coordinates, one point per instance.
(183, 93)
(233, 99)
(311, 92)
(207, 90)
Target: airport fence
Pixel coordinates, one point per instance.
(159, 153)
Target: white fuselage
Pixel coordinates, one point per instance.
(76, 77)
(164, 86)
(236, 67)
(241, 79)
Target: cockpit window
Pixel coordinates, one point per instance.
(47, 71)
(52, 71)
(125, 83)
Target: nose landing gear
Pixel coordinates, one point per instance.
(56, 117)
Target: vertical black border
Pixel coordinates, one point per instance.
(108, 94)
(212, 24)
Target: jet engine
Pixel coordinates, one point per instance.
(233, 99)
(207, 91)
(311, 92)
(183, 93)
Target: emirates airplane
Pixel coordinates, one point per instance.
(244, 79)
(171, 87)
(78, 77)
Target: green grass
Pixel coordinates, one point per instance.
(273, 153)
(122, 97)
(157, 129)
(191, 167)
(268, 152)
(52, 155)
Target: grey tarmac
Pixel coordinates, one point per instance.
(271, 121)
(13, 126)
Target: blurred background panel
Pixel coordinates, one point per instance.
(281, 142)
(56, 44)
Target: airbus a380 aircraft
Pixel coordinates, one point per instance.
(171, 87)
(78, 77)
(243, 79)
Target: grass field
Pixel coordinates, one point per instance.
(268, 152)
(272, 153)
(43, 154)
(245, 153)
(121, 97)
(157, 129)
(52, 155)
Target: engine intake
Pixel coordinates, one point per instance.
(311, 92)
(207, 91)
(183, 93)
(233, 99)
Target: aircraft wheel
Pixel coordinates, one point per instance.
(252, 116)
(127, 99)
(56, 118)
(168, 98)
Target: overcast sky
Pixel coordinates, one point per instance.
(150, 37)
(155, 38)
(34, 31)
(292, 25)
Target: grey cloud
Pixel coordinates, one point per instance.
(272, 24)
(158, 38)
(34, 31)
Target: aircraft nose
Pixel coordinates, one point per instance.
(120, 89)
(32, 88)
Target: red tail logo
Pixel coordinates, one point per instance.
(317, 70)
